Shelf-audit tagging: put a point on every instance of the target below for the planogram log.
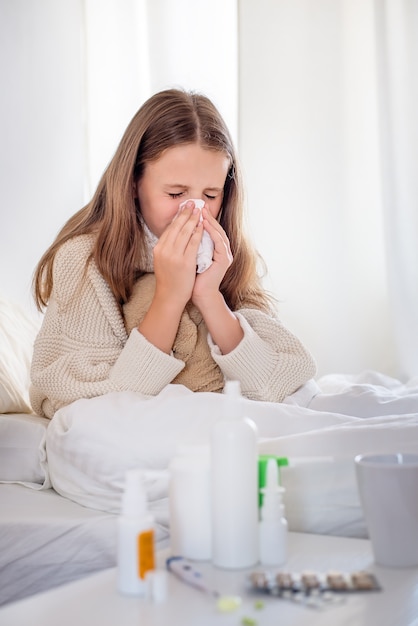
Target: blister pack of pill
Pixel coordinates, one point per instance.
(311, 588)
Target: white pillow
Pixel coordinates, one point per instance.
(17, 335)
(23, 450)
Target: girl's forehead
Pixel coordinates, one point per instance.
(191, 158)
(191, 151)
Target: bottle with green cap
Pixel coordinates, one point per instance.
(263, 459)
(273, 524)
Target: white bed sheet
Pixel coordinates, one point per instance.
(47, 540)
(23, 451)
(91, 444)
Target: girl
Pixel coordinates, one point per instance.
(126, 313)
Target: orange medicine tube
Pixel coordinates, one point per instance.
(136, 545)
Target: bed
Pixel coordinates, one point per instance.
(61, 481)
(47, 540)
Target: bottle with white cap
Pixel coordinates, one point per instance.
(273, 524)
(136, 551)
(234, 485)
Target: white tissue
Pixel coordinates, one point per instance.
(205, 252)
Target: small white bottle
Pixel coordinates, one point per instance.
(234, 485)
(273, 524)
(189, 503)
(136, 544)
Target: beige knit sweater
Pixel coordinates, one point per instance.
(83, 349)
(201, 372)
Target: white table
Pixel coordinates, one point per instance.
(95, 600)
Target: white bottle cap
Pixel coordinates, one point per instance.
(232, 388)
(134, 502)
(232, 392)
(157, 585)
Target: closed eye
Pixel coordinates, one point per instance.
(176, 195)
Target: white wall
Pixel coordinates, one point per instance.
(41, 165)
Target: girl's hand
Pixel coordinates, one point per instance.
(207, 283)
(175, 257)
(221, 322)
(175, 273)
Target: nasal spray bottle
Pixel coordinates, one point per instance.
(135, 537)
(273, 525)
(234, 485)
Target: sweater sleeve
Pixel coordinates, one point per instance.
(270, 362)
(82, 349)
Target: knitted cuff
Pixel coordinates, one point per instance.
(144, 368)
(251, 362)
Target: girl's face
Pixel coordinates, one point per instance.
(182, 172)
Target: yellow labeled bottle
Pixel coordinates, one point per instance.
(136, 544)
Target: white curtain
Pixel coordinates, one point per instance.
(397, 45)
(328, 136)
(116, 68)
(134, 48)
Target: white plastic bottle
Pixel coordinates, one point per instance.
(136, 545)
(234, 485)
(273, 524)
(189, 503)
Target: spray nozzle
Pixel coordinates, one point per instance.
(134, 502)
(272, 478)
(272, 507)
(232, 393)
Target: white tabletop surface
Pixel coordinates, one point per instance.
(95, 600)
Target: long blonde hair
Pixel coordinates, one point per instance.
(167, 119)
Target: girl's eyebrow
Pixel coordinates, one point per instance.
(182, 186)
